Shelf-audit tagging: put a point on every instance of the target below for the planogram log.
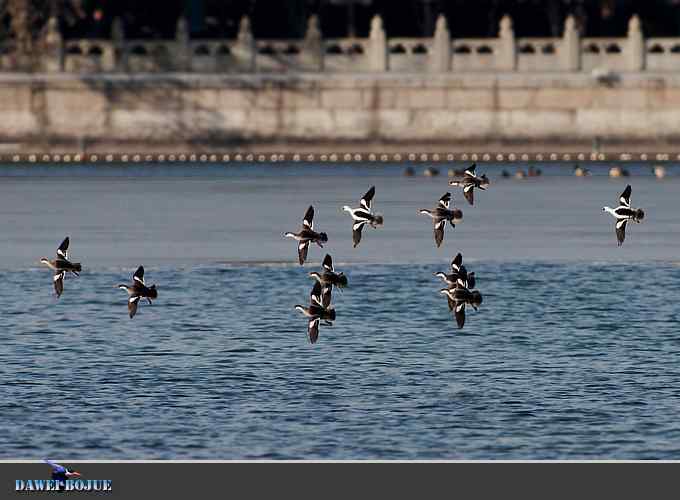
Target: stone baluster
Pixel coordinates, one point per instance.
(54, 47)
(570, 49)
(182, 46)
(313, 45)
(635, 46)
(506, 59)
(244, 50)
(378, 45)
(118, 43)
(440, 58)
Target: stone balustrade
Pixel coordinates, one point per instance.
(375, 53)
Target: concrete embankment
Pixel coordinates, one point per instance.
(495, 112)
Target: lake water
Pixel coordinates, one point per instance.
(574, 354)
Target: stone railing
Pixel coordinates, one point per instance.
(375, 53)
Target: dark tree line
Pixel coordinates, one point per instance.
(24, 20)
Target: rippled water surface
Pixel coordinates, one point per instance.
(575, 352)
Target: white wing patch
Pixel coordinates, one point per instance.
(620, 223)
(133, 299)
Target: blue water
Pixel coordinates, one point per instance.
(572, 355)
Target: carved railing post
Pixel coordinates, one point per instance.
(182, 47)
(441, 47)
(244, 50)
(54, 47)
(313, 45)
(506, 58)
(118, 42)
(570, 50)
(378, 44)
(635, 45)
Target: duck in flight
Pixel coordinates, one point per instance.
(61, 473)
(440, 215)
(138, 291)
(319, 309)
(363, 215)
(471, 181)
(329, 278)
(61, 265)
(458, 273)
(624, 213)
(307, 235)
(459, 297)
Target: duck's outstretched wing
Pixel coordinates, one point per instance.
(328, 263)
(62, 251)
(132, 305)
(459, 312)
(469, 193)
(58, 279)
(356, 232)
(367, 200)
(138, 276)
(313, 330)
(56, 467)
(439, 232)
(303, 246)
(621, 231)
(315, 297)
(624, 199)
(308, 220)
(445, 200)
(457, 262)
(470, 172)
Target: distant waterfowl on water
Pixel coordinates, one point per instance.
(138, 291)
(441, 214)
(329, 278)
(307, 235)
(471, 181)
(624, 213)
(61, 265)
(319, 309)
(363, 215)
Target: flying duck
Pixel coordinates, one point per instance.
(458, 298)
(61, 473)
(623, 213)
(329, 278)
(440, 214)
(471, 181)
(319, 309)
(138, 291)
(458, 273)
(61, 265)
(363, 215)
(307, 235)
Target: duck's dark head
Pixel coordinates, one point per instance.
(342, 280)
(323, 237)
(639, 214)
(476, 298)
(331, 314)
(378, 220)
(153, 293)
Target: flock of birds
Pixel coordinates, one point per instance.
(460, 284)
